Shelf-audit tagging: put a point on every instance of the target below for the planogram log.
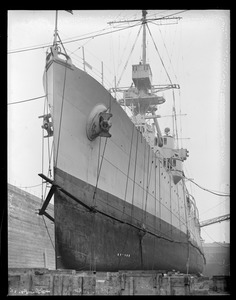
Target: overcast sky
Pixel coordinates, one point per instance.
(196, 53)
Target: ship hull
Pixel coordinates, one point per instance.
(121, 176)
(91, 241)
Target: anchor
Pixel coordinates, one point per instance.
(98, 123)
(105, 124)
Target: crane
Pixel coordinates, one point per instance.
(215, 220)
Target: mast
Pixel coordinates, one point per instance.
(144, 13)
(142, 97)
(144, 21)
(55, 31)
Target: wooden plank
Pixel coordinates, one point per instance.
(66, 285)
(65, 192)
(48, 216)
(57, 284)
(77, 285)
(48, 198)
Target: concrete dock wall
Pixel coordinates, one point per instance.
(30, 236)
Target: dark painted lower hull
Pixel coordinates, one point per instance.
(91, 241)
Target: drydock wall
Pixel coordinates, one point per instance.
(217, 259)
(29, 244)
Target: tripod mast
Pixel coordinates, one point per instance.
(144, 13)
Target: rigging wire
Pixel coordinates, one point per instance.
(207, 190)
(124, 49)
(168, 55)
(177, 13)
(211, 208)
(80, 46)
(72, 40)
(43, 195)
(62, 104)
(112, 58)
(129, 56)
(221, 244)
(175, 118)
(155, 206)
(149, 172)
(43, 148)
(159, 54)
(135, 167)
(158, 13)
(126, 186)
(48, 232)
(27, 100)
(127, 175)
(28, 187)
(49, 158)
(43, 152)
(180, 121)
(99, 169)
(143, 177)
(192, 187)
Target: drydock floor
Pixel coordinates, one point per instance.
(69, 282)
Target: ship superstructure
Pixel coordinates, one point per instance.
(119, 193)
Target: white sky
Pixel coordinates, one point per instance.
(197, 59)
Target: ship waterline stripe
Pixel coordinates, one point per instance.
(95, 210)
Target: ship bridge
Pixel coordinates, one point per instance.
(140, 96)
